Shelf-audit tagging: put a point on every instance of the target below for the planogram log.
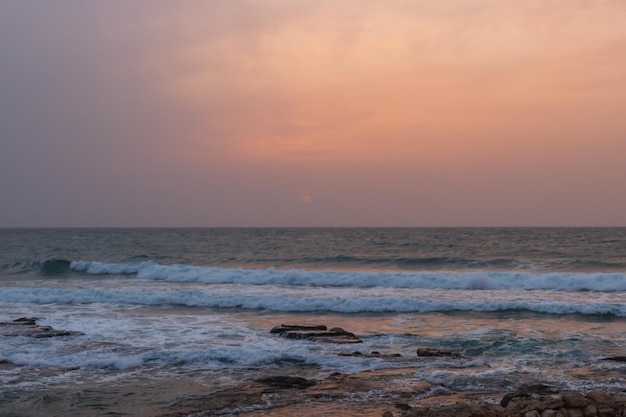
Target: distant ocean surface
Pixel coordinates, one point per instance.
(158, 306)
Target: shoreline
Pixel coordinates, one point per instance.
(392, 393)
(292, 389)
(378, 393)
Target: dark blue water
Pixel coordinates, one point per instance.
(453, 249)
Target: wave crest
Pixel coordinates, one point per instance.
(320, 300)
(476, 280)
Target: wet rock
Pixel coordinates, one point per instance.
(355, 353)
(283, 328)
(598, 397)
(607, 412)
(287, 382)
(28, 321)
(430, 352)
(317, 333)
(548, 403)
(527, 391)
(542, 399)
(403, 407)
(590, 411)
(460, 409)
(272, 393)
(337, 330)
(615, 358)
(28, 327)
(573, 399)
(373, 354)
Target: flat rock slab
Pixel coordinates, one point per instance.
(527, 391)
(430, 352)
(296, 396)
(615, 359)
(318, 333)
(28, 327)
(373, 354)
(280, 381)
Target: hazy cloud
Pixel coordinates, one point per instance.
(229, 112)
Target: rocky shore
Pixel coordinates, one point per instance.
(380, 394)
(393, 392)
(389, 393)
(528, 401)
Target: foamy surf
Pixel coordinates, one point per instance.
(157, 315)
(475, 280)
(325, 300)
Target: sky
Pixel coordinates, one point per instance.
(153, 113)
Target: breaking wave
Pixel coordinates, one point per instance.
(336, 300)
(475, 280)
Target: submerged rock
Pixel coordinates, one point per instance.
(427, 351)
(373, 354)
(283, 328)
(403, 407)
(318, 333)
(28, 327)
(615, 359)
(287, 382)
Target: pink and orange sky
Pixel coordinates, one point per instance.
(313, 113)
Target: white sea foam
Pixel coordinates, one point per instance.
(478, 280)
(43, 359)
(191, 352)
(339, 300)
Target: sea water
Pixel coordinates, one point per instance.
(168, 313)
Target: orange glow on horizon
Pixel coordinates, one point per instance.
(403, 81)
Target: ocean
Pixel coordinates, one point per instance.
(172, 313)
